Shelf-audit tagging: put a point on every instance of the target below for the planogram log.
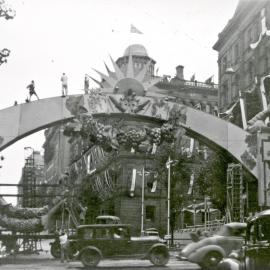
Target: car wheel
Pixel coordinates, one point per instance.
(90, 258)
(159, 256)
(211, 260)
(55, 250)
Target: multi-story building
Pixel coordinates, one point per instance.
(244, 57)
(114, 180)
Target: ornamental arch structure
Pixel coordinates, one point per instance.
(22, 120)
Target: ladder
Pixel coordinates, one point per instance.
(235, 201)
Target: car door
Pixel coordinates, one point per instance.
(104, 241)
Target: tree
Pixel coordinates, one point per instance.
(7, 13)
(212, 179)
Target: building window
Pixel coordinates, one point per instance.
(257, 29)
(236, 53)
(265, 65)
(250, 72)
(248, 38)
(225, 93)
(150, 212)
(224, 63)
(236, 84)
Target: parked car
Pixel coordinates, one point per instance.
(255, 253)
(209, 251)
(97, 241)
(103, 219)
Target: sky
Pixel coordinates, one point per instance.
(49, 37)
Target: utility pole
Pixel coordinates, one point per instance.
(169, 196)
(169, 163)
(142, 212)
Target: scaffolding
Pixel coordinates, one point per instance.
(29, 181)
(235, 198)
(29, 243)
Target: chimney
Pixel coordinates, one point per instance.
(180, 72)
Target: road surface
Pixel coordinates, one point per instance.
(44, 261)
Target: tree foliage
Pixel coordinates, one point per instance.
(212, 179)
(7, 13)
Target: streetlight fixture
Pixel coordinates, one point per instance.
(169, 163)
(142, 173)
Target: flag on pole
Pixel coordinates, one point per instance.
(134, 30)
(230, 110)
(88, 163)
(168, 163)
(209, 80)
(154, 186)
(133, 180)
(191, 184)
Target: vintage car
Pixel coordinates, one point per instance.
(209, 251)
(97, 241)
(255, 253)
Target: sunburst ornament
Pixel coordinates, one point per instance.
(120, 82)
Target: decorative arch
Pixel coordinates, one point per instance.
(22, 120)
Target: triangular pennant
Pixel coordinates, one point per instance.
(135, 30)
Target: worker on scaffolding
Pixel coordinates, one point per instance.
(64, 244)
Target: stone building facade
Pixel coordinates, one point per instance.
(244, 57)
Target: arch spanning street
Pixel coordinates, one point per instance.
(22, 120)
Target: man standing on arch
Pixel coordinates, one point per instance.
(32, 91)
(64, 81)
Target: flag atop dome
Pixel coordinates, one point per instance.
(135, 30)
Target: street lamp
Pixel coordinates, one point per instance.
(142, 173)
(194, 213)
(169, 163)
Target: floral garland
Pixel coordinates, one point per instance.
(111, 138)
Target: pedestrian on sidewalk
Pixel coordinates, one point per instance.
(64, 80)
(32, 91)
(64, 243)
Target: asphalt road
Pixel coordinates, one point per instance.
(44, 261)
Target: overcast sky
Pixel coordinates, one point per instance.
(49, 37)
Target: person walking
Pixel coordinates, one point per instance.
(64, 244)
(32, 91)
(64, 81)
